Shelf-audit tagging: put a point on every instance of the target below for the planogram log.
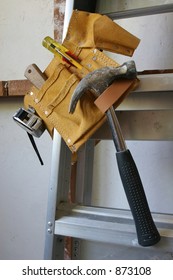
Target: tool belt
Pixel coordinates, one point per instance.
(87, 36)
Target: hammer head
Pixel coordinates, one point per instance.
(99, 80)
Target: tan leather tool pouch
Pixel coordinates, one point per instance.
(84, 38)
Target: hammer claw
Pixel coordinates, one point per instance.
(100, 79)
(78, 93)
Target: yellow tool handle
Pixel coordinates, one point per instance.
(60, 50)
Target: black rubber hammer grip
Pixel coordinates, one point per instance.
(147, 232)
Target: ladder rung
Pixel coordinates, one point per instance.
(104, 224)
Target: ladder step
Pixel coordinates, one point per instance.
(104, 224)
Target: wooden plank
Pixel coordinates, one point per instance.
(14, 87)
(3, 88)
(18, 87)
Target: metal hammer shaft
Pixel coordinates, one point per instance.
(117, 135)
(145, 227)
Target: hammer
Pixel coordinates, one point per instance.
(97, 82)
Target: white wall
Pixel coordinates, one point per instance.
(24, 182)
(23, 25)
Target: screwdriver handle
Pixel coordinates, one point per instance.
(147, 232)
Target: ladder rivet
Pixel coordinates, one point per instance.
(49, 223)
(49, 230)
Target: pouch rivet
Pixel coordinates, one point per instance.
(68, 140)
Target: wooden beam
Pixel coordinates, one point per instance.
(18, 87)
(1, 89)
(14, 87)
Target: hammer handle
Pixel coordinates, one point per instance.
(146, 230)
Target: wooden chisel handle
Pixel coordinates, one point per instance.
(35, 76)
